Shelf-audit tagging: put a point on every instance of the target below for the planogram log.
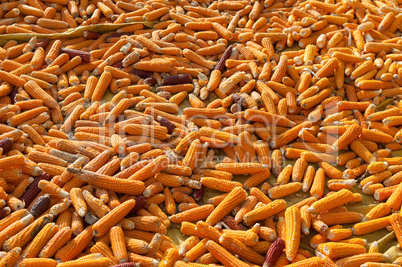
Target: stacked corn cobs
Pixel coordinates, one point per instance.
(89, 182)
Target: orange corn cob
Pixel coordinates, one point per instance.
(235, 197)
(107, 222)
(105, 181)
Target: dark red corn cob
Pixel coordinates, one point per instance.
(221, 64)
(166, 123)
(5, 144)
(13, 93)
(151, 81)
(142, 73)
(140, 202)
(42, 43)
(127, 264)
(40, 206)
(273, 253)
(4, 212)
(177, 79)
(118, 64)
(118, 34)
(198, 193)
(33, 189)
(230, 221)
(85, 56)
(91, 35)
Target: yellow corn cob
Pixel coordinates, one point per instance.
(223, 255)
(261, 197)
(247, 206)
(157, 132)
(147, 222)
(284, 190)
(60, 207)
(371, 226)
(199, 213)
(219, 184)
(27, 234)
(357, 147)
(11, 258)
(73, 248)
(332, 201)
(358, 260)
(204, 230)
(115, 184)
(95, 204)
(155, 210)
(241, 168)
(102, 226)
(284, 175)
(317, 188)
(339, 234)
(37, 92)
(101, 86)
(292, 225)
(196, 251)
(96, 262)
(332, 218)
(102, 248)
(52, 189)
(118, 244)
(33, 249)
(14, 228)
(394, 201)
(136, 245)
(56, 242)
(32, 262)
(264, 211)
(64, 219)
(396, 223)
(235, 197)
(299, 169)
(305, 220)
(188, 244)
(21, 187)
(192, 155)
(170, 257)
(380, 210)
(154, 245)
(154, 167)
(312, 262)
(340, 250)
(237, 247)
(77, 199)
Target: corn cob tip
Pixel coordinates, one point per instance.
(73, 170)
(81, 212)
(311, 209)
(64, 194)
